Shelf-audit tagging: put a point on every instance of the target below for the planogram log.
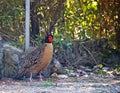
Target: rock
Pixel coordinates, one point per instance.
(15, 58)
(30, 50)
(58, 68)
(54, 75)
(82, 72)
(11, 60)
(95, 67)
(88, 70)
(48, 71)
(82, 67)
(86, 75)
(1, 63)
(54, 67)
(105, 68)
(8, 46)
(62, 76)
(74, 74)
(1, 57)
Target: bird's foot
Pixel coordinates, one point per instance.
(31, 79)
(40, 77)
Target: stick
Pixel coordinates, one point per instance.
(89, 53)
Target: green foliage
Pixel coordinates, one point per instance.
(48, 84)
(76, 19)
(19, 43)
(102, 72)
(11, 17)
(39, 39)
(16, 44)
(117, 67)
(106, 55)
(109, 53)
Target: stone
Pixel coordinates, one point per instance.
(1, 57)
(58, 68)
(105, 68)
(11, 60)
(74, 74)
(62, 76)
(54, 67)
(82, 72)
(15, 58)
(54, 75)
(88, 70)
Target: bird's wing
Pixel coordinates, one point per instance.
(31, 59)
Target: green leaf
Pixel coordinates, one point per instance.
(2, 17)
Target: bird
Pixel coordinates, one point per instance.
(37, 60)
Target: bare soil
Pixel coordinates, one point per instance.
(81, 84)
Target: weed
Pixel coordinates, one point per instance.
(117, 67)
(47, 84)
(102, 72)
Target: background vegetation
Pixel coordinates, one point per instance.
(69, 20)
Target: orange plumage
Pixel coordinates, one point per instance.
(37, 60)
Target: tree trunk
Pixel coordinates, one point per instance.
(117, 29)
(117, 26)
(34, 20)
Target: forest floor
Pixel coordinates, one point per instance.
(83, 84)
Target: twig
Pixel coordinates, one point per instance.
(56, 16)
(89, 53)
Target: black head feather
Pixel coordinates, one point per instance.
(49, 39)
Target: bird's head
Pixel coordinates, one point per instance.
(49, 39)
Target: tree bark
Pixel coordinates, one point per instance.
(34, 20)
(117, 22)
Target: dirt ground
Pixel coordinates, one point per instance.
(83, 84)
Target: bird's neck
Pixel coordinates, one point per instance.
(48, 43)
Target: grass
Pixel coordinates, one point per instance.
(48, 83)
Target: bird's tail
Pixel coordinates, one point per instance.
(21, 75)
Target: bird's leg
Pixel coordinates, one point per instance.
(30, 77)
(40, 77)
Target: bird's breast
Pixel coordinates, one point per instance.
(46, 56)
